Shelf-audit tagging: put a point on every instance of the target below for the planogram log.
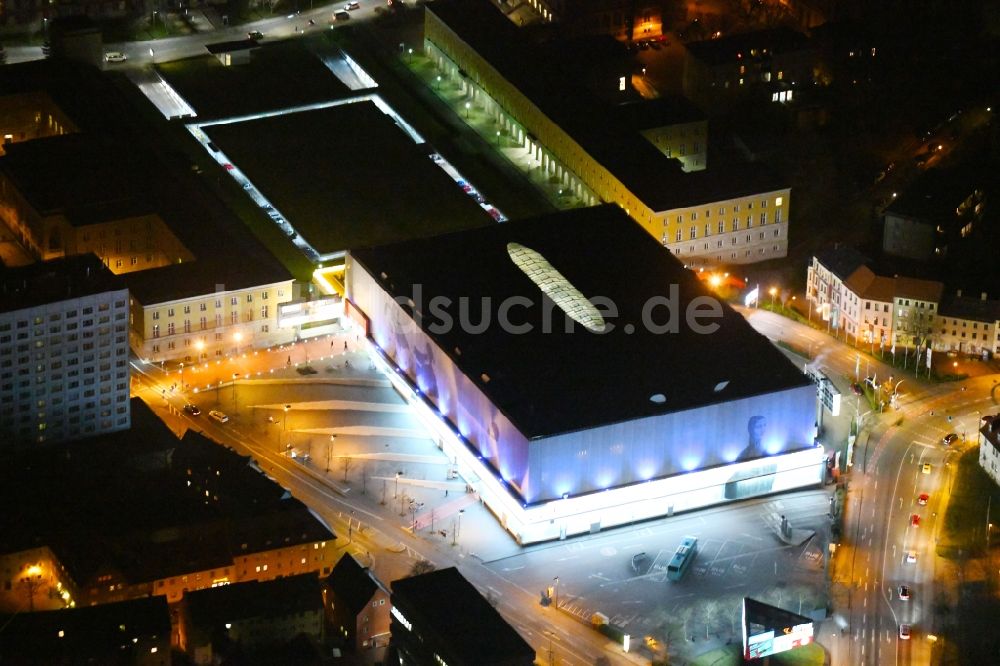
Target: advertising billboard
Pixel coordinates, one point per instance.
(770, 630)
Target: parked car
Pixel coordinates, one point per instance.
(926, 468)
(915, 520)
(911, 556)
(351, 6)
(192, 409)
(255, 34)
(904, 632)
(341, 16)
(949, 439)
(922, 500)
(904, 593)
(115, 56)
(218, 416)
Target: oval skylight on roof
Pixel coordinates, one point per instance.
(555, 286)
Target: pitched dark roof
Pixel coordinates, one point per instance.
(444, 603)
(351, 583)
(737, 47)
(57, 280)
(657, 180)
(89, 635)
(973, 309)
(549, 382)
(292, 595)
(841, 260)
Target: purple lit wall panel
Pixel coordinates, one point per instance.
(458, 398)
(642, 449)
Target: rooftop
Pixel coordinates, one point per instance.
(100, 634)
(746, 45)
(53, 281)
(445, 603)
(871, 287)
(214, 607)
(352, 583)
(231, 46)
(937, 194)
(280, 74)
(921, 290)
(158, 525)
(655, 178)
(116, 168)
(373, 185)
(533, 377)
(841, 260)
(660, 112)
(973, 309)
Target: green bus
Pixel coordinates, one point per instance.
(682, 559)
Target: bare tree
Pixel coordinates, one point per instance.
(421, 567)
(346, 463)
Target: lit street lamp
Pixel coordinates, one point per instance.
(468, 105)
(284, 423)
(774, 292)
(236, 409)
(329, 451)
(458, 528)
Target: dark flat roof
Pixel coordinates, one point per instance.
(733, 48)
(280, 74)
(552, 383)
(445, 603)
(653, 177)
(87, 178)
(57, 280)
(346, 176)
(116, 167)
(660, 112)
(966, 307)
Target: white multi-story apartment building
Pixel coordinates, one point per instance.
(64, 370)
(968, 325)
(989, 447)
(871, 308)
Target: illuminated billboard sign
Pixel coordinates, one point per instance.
(769, 630)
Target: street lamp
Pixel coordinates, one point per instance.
(555, 587)
(284, 423)
(498, 138)
(199, 345)
(458, 528)
(438, 85)
(395, 491)
(329, 451)
(468, 105)
(237, 338)
(236, 409)
(774, 292)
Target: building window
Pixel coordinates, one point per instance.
(736, 225)
(156, 314)
(156, 330)
(678, 236)
(763, 218)
(777, 216)
(722, 227)
(694, 233)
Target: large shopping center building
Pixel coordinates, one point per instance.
(545, 351)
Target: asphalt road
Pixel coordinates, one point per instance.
(887, 478)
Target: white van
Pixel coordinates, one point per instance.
(218, 416)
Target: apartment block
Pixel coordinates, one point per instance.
(64, 370)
